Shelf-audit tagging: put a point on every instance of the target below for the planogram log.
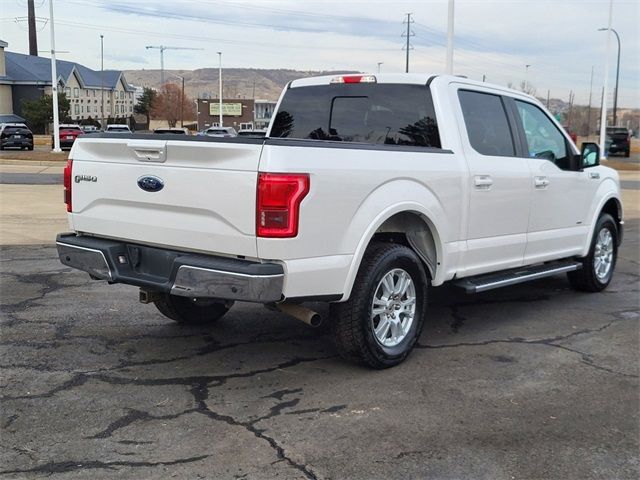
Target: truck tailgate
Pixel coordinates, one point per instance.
(206, 203)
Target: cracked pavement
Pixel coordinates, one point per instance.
(532, 381)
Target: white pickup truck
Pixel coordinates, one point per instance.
(366, 190)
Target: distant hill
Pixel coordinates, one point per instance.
(237, 82)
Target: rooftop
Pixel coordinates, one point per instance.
(29, 69)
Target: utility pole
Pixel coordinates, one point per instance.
(589, 107)
(548, 97)
(484, 77)
(102, 79)
(450, 39)
(408, 34)
(31, 20)
(570, 108)
(54, 84)
(379, 65)
(220, 86)
(181, 99)
(603, 114)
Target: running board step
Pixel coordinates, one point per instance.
(490, 281)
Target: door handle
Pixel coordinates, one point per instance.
(483, 182)
(594, 175)
(541, 182)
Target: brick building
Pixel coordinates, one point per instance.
(237, 113)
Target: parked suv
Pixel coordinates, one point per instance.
(620, 138)
(118, 128)
(15, 135)
(219, 132)
(68, 134)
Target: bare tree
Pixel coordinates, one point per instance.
(169, 105)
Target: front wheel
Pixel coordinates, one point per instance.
(191, 311)
(381, 322)
(597, 266)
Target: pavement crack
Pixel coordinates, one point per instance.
(200, 392)
(551, 342)
(132, 417)
(80, 465)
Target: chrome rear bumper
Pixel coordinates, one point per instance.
(169, 271)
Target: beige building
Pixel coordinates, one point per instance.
(27, 77)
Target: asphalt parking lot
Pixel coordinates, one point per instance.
(529, 382)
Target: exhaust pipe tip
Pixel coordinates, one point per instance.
(315, 320)
(304, 314)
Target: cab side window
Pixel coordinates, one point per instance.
(544, 140)
(487, 125)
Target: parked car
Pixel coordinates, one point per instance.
(219, 132)
(173, 130)
(619, 140)
(252, 133)
(67, 134)
(15, 135)
(366, 191)
(573, 135)
(117, 128)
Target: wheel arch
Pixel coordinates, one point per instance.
(408, 223)
(609, 203)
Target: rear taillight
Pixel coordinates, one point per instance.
(278, 203)
(67, 184)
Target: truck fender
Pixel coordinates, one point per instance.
(607, 190)
(411, 197)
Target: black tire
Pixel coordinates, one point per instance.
(586, 279)
(191, 311)
(30, 147)
(627, 152)
(352, 325)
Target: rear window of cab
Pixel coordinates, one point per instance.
(383, 114)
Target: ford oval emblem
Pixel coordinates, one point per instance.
(149, 183)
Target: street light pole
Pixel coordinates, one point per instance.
(380, 64)
(220, 87)
(615, 93)
(102, 79)
(450, 38)
(603, 114)
(54, 85)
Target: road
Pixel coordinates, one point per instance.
(532, 381)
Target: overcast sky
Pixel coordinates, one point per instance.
(496, 38)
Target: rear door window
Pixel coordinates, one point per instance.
(385, 114)
(485, 118)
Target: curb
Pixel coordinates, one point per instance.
(40, 163)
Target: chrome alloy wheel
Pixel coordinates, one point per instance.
(393, 308)
(603, 255)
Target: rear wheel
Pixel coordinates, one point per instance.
(381, 322)
(597, 266)
(627, 152)
(191, 311)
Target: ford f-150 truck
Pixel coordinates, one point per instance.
(366, 190)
